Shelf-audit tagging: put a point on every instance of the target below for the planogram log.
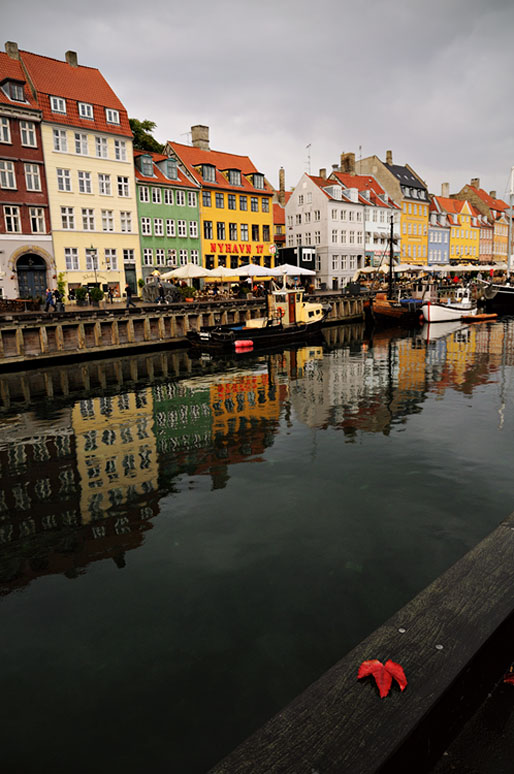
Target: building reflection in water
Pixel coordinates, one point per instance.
(87, 453)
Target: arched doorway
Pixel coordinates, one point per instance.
(31, 270)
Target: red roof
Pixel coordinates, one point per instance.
(158, 176)
(495, 204)
(279, 214)
(365, 183)
(11, 69)
(193, 157)
(52, 77)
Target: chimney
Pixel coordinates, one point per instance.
(348, 163)
(445, 190)
(72, 58)
(200, 136)
(323, 173)
(475, 182)
(492, 194)
(282, 186)
(389, 157)
(335, 167)
(11, 49)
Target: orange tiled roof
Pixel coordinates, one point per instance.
(495, 204)
(193, 157)
(12, 69)
(52, 77)
(279, 214)
(361, 183)
(158, 176)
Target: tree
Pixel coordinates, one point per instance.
(143, 138)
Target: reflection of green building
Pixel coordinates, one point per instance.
(182, 417)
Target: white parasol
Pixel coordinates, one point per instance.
(293, 271)
(254, 270)
(188, 271)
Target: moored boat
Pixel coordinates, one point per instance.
(456, 308)
(288, 318)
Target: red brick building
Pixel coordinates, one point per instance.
(27, 264)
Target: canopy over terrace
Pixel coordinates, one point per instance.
(187, 271)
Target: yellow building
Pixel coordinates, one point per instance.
(236, 209)
(464, 228)
(87, 146)
(494, 209)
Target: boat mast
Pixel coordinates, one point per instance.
(391, 259)
(509, 243)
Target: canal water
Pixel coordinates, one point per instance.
(187, 543)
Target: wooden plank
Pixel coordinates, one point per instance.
(452, 640)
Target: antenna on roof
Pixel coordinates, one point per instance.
(189, 136)
(308, 162)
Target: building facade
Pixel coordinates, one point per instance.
(323, 214)
(408, 190)
(27, 265)
(438, 237)
(464, 228)
(87, 147)
(236, 210)
(494, 209)
(168, 213)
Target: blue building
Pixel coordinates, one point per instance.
(438, 237)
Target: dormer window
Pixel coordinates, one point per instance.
(14, 90)
(112, 116)
(209, 173)
(171, 169)
(258, 181)
(234, 177)
(57, 105)
(86, 110)
(146, 166)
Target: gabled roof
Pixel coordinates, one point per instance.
(158, 176)
(11, 69)
(365, 183)
(450, 205)
(323, 183)
(405, 176)
(52, 77)
(193, 157)
(493, 204)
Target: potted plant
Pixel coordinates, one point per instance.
(188, 293)
(96, 295)
(81, 295)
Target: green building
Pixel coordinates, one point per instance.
(169, 213)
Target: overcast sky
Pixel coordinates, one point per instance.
(431, 80)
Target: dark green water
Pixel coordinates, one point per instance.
(186, 544)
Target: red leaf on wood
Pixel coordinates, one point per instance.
(383, 674)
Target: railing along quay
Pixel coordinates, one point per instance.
(33, 337)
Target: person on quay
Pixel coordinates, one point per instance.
(49, 300)
(59, 304)
(110, 294)
(128, 291)
(161, 299)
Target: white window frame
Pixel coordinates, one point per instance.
(112, 116)
(107, 220)
(156, 195)
(183, 257)
(37, 217)
(160, 256)
(123, 187)
(111, 259)
(120, 150)
(126, 221)
(101, 147)
(7, 175)
(91, 259)
(86, 111)
(191, 198)
(168, 196)
(60, 139)
(182, 228)
(88, 219)
(5, 129)
(180, 198)
(63, 179)
(147, 256)
(193, 229)
(84, 180)
(146, 226)
(104, 184)
(32, 177)
(158, 227)
(71, 259)
(12, 216)
(67, 218)
(58, 105)
(81, 143)
(170, 227)
(144, 193)
(195, 257)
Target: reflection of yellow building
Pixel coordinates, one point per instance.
(246, 398)
(116, 450)
(411, 368)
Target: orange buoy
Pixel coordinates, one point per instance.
(243, 344)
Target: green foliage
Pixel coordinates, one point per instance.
(141, 282)
(143, 138)
(96, 294)
(187, 292)
(61, 284)
(81, 293)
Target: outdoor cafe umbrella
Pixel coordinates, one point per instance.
(293, 271)
(187, 271)
(254, 270)
(221, 272)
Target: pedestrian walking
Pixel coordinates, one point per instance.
(59, 305)
(161, 299)
(49, 300)
(110, 295)
(128, 291)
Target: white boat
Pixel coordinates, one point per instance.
(461, 305)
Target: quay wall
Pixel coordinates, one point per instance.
(454, 641)
(35, 337)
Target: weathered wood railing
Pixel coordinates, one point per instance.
(454, 641)
(36, 337)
